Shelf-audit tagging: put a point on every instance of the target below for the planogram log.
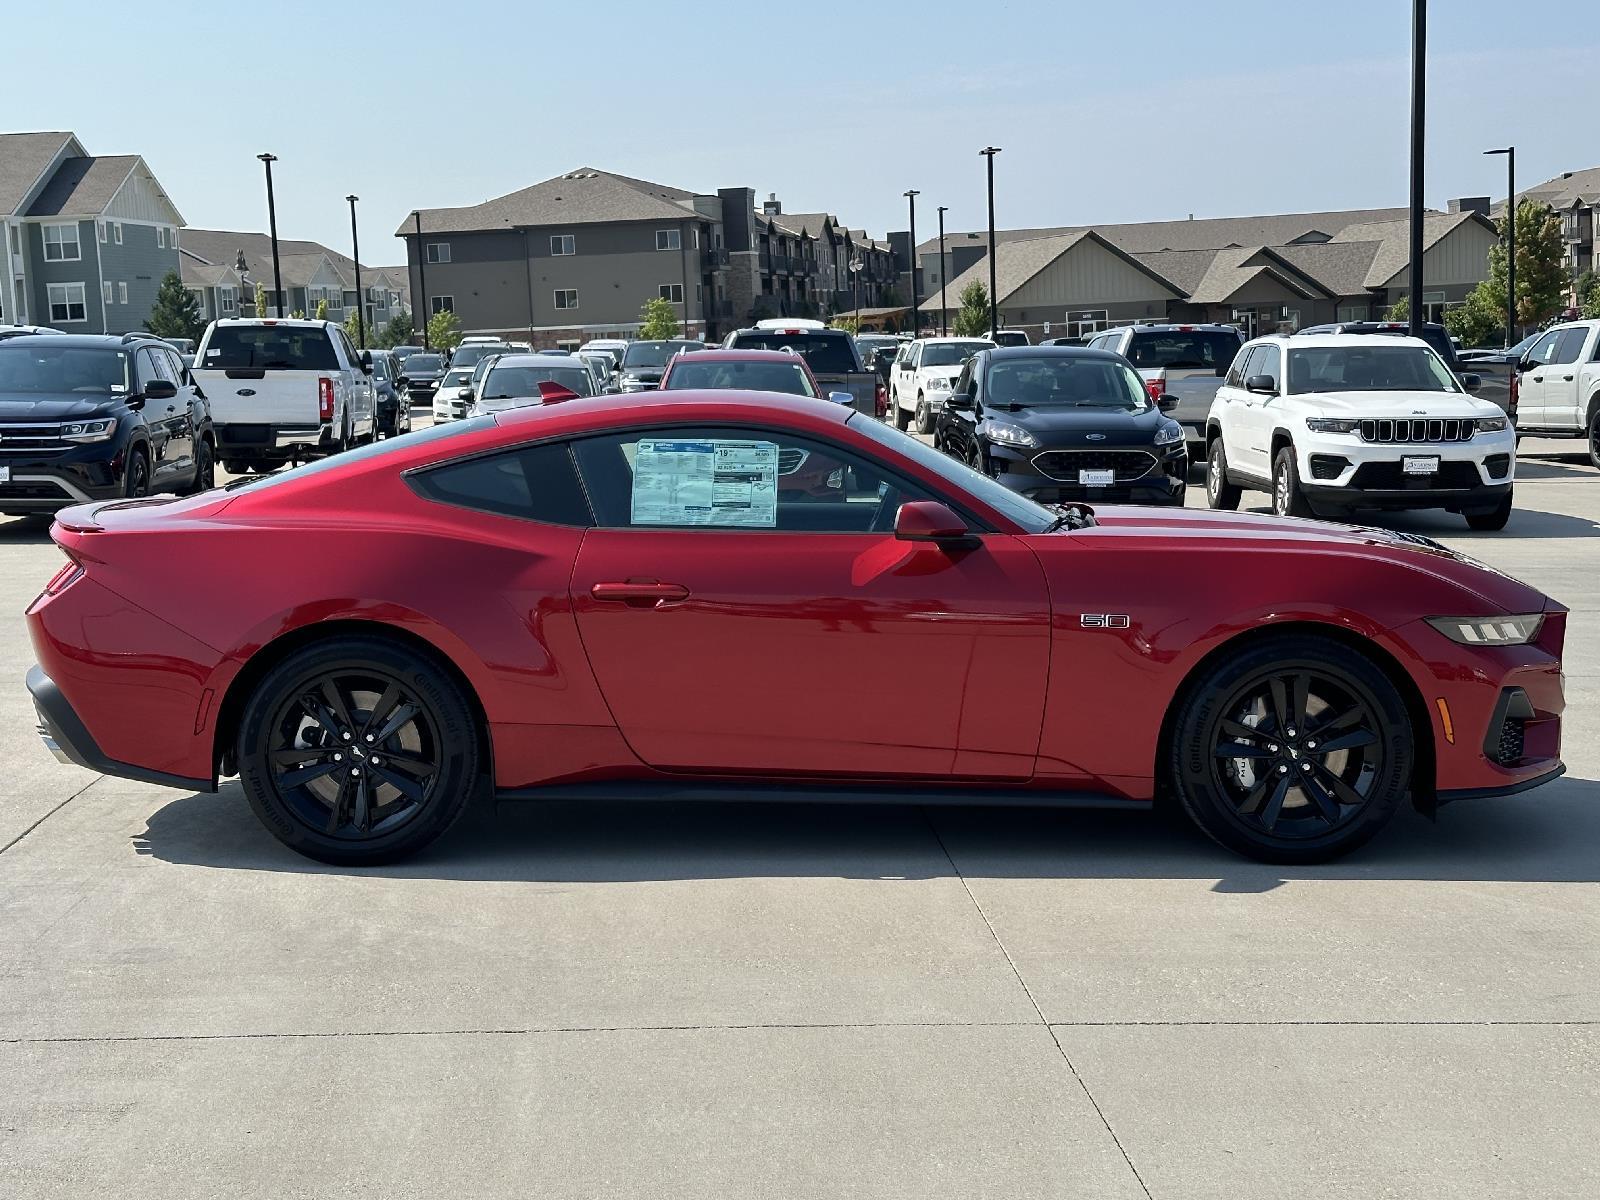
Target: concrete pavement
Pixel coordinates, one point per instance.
(707, 1001)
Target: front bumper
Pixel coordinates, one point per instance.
(45, 483)
(65, 737)
(1472, 476)
(1165, 482)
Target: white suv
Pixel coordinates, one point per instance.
(923, 374)
(1329, 423)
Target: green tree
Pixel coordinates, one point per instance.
(892, 298)
(1475, 323)
(1541, 276)
(176, 312)
(444, 331)
(1587, 292)
(973, 319)
(321, 313)
(396, 332)
(658, 320)
(847, 323)
(353, 329)
(1400, 310)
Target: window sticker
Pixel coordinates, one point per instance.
(726, 483)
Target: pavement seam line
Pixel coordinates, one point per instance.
(1028, 992)
(51, 813)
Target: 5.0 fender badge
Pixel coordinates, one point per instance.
(1103, 620)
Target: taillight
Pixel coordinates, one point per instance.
(1157, 388)
(1516, 383)
(880, 401)
(325, 399)
(64, 578)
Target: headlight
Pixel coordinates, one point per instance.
(1332, 425)
(88, 431)
(1169, 434)
(941, 385)
(1491, 631)
(1490, 424)
(1011, 435)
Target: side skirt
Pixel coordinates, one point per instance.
(788, 793)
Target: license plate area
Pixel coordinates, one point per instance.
(1096, 478)
(5, 473)
(1419, 464)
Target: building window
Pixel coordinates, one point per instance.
(1433, 307)
(116, 232)
(61, 243)
(172, 237)
(439, 304)
(225, 299)
(68, 302)
(438, 252)
(568, 345)
(669, 239)
(673, 292)
(161, 237)
(566, 297)
(199, 299)
(122, 293)
(1090, 320)
(349, 299)
(1350, 312)
(105, 290)
(101, 226)
(563, 243)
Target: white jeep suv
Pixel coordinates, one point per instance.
(1329, 423)
(923, 374)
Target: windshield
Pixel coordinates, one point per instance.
(951, 354)
(85, 370)
(1073, 382)
(467, 356)
(456, 377)
(270, 348)
(380, 366)
(1368, 369)
(789, 377)
(1193, 349)
(423, 364)
(964, 479)
(506, 383)
(652, 354)
(825, 353)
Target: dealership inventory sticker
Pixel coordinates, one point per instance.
(706, 483)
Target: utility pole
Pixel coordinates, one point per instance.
(355, 247)
(944, 279)
(422, 276)
(272, 227)
(916, 322)
(1419, 98)
(989, 152)
(1511, 242)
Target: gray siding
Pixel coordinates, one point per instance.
(141, 264)
(84, 271)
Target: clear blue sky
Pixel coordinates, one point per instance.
(1233, 108)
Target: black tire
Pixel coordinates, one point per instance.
(1288, 498)
(901, 421)
(1286, 798)
(1220, 494)
(1492, 520)
(1594, 433)
(397, 707)
(924, 418)
(136, 479)
(205, 467)
(236, 466)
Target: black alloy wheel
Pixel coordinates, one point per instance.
(1594, 436)
(357, 751)
(137, 481)
(1297, 750)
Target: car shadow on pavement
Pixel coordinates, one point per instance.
(1546, 835)
(24, 531)
(1546, 468)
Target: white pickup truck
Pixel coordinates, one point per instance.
(283, 390)
(1187, 361)
(1558, 385)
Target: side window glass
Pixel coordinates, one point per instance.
(1544, 349)
(146, 362)
(964, 384)
(1267, 363)
(1571, 345)
(536, 483)
(1242, 369)
(744, 479)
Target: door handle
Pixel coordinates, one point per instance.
(639, 591)
(1568, 378)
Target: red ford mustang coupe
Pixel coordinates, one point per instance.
(617, 597)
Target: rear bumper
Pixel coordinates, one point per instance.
(65, 736)
(245, 441)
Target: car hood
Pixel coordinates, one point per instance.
(946, 375)
(1197, 529)
(1058, 425)
(1400, 404)
(65, 406)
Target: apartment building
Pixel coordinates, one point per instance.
(219, 261)
(1575, 198)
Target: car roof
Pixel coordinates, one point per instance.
(935, 341)
(1017, 353)
(295, 322)
(1307, 339)
(100, 341)
(801, 328)
(1172, 327)
(736, 355)
(521, 359)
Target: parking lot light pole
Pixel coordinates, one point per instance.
(1511, 242)
(272, 228)
(989, 152)
(944, 279)
(916, 321)
(355, 246)
(422, 277)
(1419, 98)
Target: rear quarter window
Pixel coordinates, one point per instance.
(535, 483)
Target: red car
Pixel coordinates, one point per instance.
(612, 599)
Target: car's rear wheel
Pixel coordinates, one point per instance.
(137, 480)
(1219, 492)
(357, 751)
(205, 467)
(1594, 434)
(1492, 519)
(1288, 498)
(1297, 750)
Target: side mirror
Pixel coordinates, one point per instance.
(1166, 402)
(1264, 385)
(961, 400)
(1472, 382)
(366, 361)
(160, 389)
(928, 521)
(468, 394)
(844, 398)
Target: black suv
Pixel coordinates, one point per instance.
(96, 418)
(1061, 424)
(1433, 333)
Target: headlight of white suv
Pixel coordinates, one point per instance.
(1169, 434)
(1490, 631)
(1490, 424)
(1011, 435)
(1332, 424)
(88, 431)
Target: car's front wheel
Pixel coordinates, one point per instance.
(1493, 519)
(1288, 497)
(1219, 492)
(924, 417)
(136, 482)
(357, 751)
(1594, 434)
(1297, 750)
